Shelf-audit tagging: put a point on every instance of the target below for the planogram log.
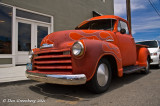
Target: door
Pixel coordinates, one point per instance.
(29, 36)
(127, 45)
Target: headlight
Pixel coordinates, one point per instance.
(77, 49)
(30, 54)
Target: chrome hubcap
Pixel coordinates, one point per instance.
(102, 74)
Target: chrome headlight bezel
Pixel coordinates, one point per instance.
(78, 49)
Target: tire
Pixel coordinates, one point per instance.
(147, 69)
(102, 77)
(158, 65)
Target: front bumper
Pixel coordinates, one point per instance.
(77, 79)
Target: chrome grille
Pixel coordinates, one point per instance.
(49, 60)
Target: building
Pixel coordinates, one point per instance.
(24, 23)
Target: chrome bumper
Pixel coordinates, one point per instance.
(77, 79)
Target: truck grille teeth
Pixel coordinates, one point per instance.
(53, 61)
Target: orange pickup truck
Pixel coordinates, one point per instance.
(91, 54)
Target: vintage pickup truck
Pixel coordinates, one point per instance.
(91, 54)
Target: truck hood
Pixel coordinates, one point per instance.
(65, 38)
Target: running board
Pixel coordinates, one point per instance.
(132, 69)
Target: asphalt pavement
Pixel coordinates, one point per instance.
(130, 90)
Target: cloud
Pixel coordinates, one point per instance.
(158, 37)
(120, 6)
(146, 24)
(133, 32)
(138, 40)
(135, 6)
(144, 18)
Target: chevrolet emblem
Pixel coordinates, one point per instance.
(46, 46)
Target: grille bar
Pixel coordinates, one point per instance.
(53, 67)
(51, 51)
(52, 62)
(52, 56)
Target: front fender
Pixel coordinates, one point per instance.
(94, 51)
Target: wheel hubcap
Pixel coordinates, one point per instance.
(102, 74)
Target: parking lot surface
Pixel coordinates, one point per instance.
(130, 90)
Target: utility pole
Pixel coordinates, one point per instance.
(128, 5)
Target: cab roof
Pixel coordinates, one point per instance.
(102, 17)
(107, 17)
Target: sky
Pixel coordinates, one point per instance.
(145, 20)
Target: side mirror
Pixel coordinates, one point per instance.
(123, 31)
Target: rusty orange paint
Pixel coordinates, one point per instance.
(70, 44)
(89, 31)
(75, 36)
(105, 35)
(93, 37)
(96, 46)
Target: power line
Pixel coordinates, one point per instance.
(154, 7)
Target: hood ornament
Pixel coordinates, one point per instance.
(45, 45)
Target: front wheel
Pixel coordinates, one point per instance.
(102, 77)
(147, 68)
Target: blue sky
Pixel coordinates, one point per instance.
(145, 21)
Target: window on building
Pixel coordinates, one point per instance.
(23, 28)
(24, 37)
(5, 29)
(41, 33)
(33, 16)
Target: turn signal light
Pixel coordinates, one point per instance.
(154, 54)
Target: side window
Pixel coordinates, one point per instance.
(123, 25)
(159, 43)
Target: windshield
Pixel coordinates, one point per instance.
(151, 44)
(103, 24)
